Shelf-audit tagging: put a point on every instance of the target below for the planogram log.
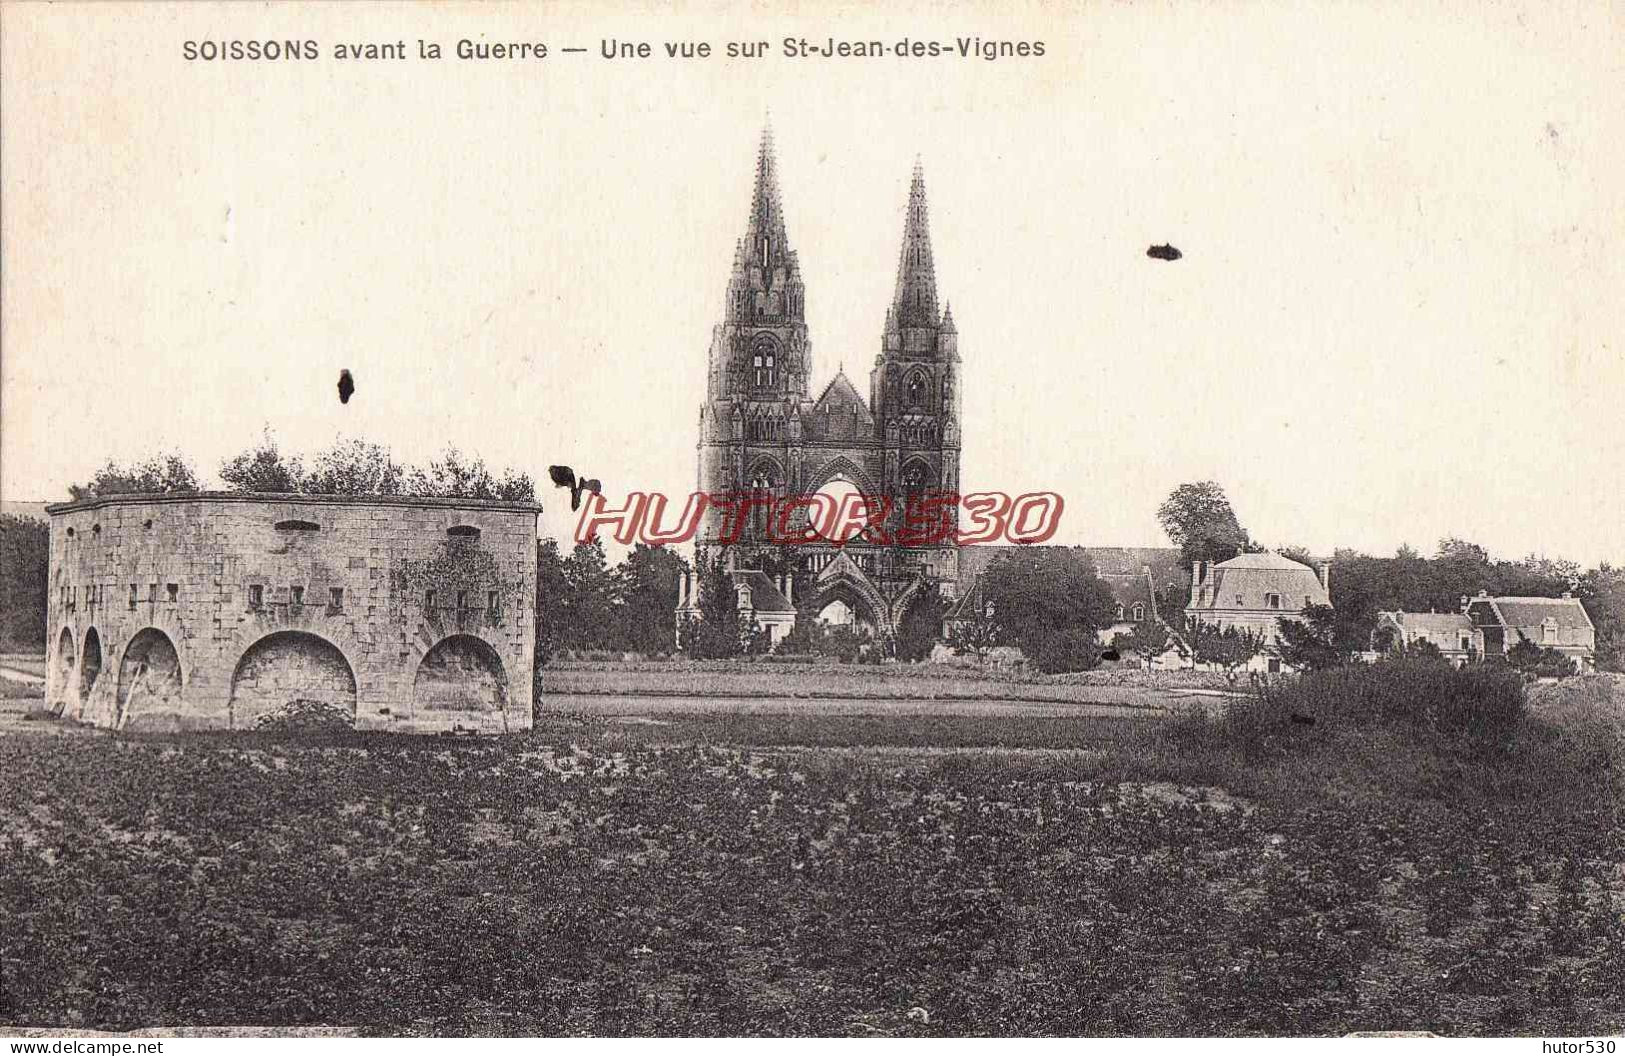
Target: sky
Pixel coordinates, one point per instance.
(1397, 316)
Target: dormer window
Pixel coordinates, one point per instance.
(1272, 600)
(1548, 630)
(1139, 613)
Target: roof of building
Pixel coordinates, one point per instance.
(1121, 568)
(764, 596)
(1533, 612)
(293, 498)
(1253, 577)
(1445, 623)
(841, 394)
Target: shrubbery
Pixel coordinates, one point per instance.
(305, 717)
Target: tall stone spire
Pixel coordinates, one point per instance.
(766, 279)
(915, 302)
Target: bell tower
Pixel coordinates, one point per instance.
(914, 386)
(756, 384)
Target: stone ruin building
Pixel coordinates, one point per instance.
(213, 611)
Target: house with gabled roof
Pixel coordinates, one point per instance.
(1452, 633)
(1487, 627)
(1552, 623)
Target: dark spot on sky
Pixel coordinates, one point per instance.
(346, 386)
(1163, 252)
(565, 477)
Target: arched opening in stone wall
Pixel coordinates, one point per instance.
(63, 670)
(286, 667)
(841, 606)
(149, 678)
(461, 673)
(90, 663)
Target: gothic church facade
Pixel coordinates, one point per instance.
(763, 432)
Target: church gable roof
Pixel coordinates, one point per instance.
(840, 411)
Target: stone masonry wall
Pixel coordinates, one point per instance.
(211, 611)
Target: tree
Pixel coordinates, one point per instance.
(263, 468)
(1312, 643)
(354, 467)
(647, 583)
(552, 590)
(25, 548)
(716, 634)
(455, 475)
(1602, 592)
(1395, 648)
(921, 625)
(590, 598)
(359, 467)
(1146, 639)
(1036, 592)
(1063, 649)
(1229, 648)
(976, 633)
(1200, 521)
(160, 474)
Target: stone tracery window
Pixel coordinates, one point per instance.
(763, 363)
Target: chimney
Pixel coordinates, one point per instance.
(682, 590)
(1324, 571)
(1465, 601)
(1196, 580)
(790, 587)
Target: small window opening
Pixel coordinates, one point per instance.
(134, 589)
(174, 590)
(464, 531)
(298, 526)
(147, 524)
(428, 601)
(70, 533)
(296, 595)
(152, 593)
(1240, 602)
(491, 601)
(335, 599)
(462, 600)
(95, 529)
(256, 596)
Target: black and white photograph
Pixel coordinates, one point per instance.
(828, 520)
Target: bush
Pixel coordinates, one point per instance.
(306, 717)
(1065, 650)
